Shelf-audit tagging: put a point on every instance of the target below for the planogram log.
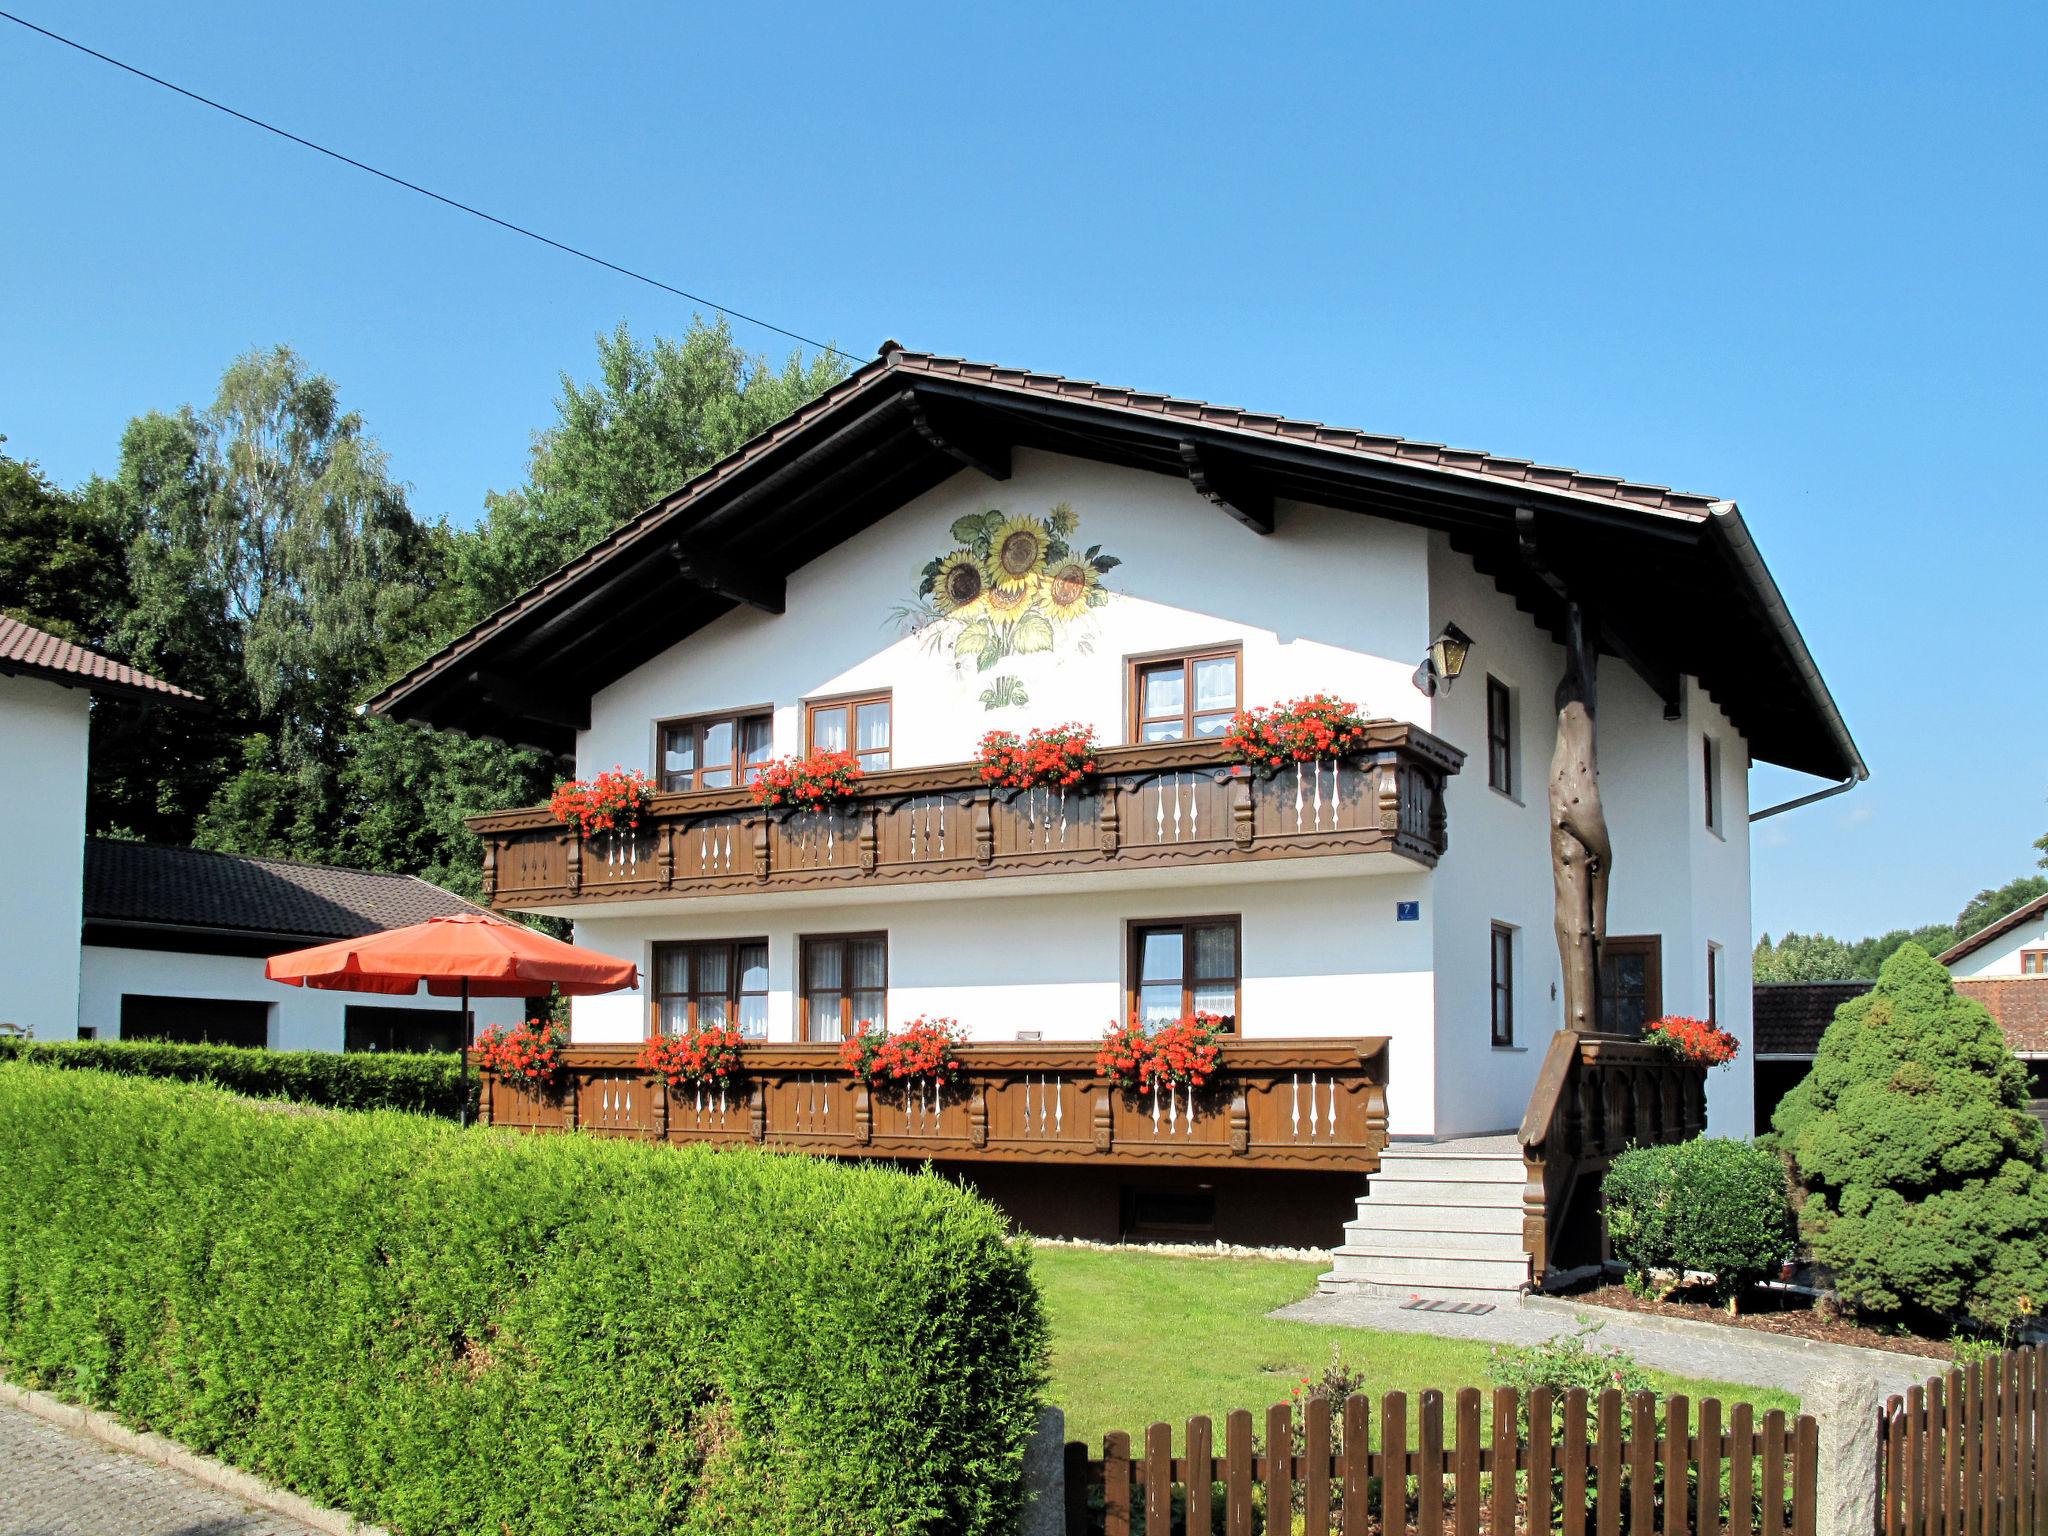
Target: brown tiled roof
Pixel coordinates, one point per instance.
(1990, 931)
(138, 885)
(29, 652)
(1791, 1016)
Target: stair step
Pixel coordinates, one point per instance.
(1437, 1218)
(1445, 1268)
(1390, 1191)
(1452, 1170)
(1434, 1240)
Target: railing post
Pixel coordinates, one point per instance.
(985, 827)
(1112, 819)
(1242, 829)
(762, 838)
(977, 1115)
(870, 839)
(665, 853)
(490, 874)
(863, 1115)
(574, 863)
(1103, 1120)
(1240, 1119)
(757, 1110)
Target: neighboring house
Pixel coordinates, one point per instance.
(934, 549)
(46, 689)
(2015, 945)
(175, 940)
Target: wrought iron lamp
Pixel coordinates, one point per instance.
(1446, 659)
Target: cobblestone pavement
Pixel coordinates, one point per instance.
(1758, 1359)
(56, 1483)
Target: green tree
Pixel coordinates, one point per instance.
(1801, 957)
(1987, 907)
(655, 415)
(60, 559)
(1921, 1167)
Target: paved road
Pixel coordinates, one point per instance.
(56, 1483)
(1759, 1359)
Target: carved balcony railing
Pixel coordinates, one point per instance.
(1595, 1097)
(1171, 804)
(1276, 1104)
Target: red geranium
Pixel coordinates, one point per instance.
(923, 1050)
(610, 802)
(1693, 1040)
(1299, 731)
(709, 1057)
(529, 1054)
(1183, 1054)
(823, 778)
(1063, 755)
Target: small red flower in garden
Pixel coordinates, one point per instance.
(1302, 730)
(529, 1054)
(1063, 756)
(611, 802)
(1693, 1040)
(823, 778)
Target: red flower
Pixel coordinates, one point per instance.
(789, 781)
(925, 1050)
(1061, 756)
(1302, 730)
(1183, 1054)
(532, 1050)
(610, 802)
(1693, 1040)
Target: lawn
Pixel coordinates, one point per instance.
(1138, 1337)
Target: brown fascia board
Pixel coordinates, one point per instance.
(1990, 931)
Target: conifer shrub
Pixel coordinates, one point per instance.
(1920, 1167)
(425, 1082)
(1709, 1204)
(483, 1332)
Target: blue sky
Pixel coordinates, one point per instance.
(1788, 255)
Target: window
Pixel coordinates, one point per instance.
(860, 726)
(1175, 698)
(845, 984)
(1186, 966)
(1631, 983)
(195, 1020)
(2034, 962)
(1500, 736)
(714, 752)
(1503, 984)
(373, 1027)
(1710, 762)
(721, 984)
(1714, 984)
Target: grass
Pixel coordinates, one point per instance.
(1139, 1337)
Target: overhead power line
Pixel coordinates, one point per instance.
(413, 186)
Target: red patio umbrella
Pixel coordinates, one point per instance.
(469, 954)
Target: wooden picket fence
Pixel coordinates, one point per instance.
(1351, 1470)
(1966, 1454)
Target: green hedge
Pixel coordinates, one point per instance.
(424, 1083)
(488, 1332)
(1709, 1204)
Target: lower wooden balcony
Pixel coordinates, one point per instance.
(1276, 1104)
(1175, 804)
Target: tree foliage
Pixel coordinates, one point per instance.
(1708, 1205)
(61, 563)
(1921, 1167)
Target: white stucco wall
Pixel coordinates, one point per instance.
(2001, 957)
(43, 731)
(301, 1018)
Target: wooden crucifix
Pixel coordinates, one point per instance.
(1581, 857)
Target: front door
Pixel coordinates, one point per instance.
(1631, 983)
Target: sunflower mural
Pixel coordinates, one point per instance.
(1015, 586)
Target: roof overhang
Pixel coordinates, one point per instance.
(1674, 581)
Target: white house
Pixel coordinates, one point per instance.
(175, 940)
(2015, 945)
(935, 549)
(46, 689)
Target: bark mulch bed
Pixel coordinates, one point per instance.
(1767, 1312)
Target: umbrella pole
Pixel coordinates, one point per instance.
(464, 1033)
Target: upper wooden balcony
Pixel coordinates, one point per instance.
(1170, 804)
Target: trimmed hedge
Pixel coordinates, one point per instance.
(1709, 1204)
(486, 1332)
(424, 1083)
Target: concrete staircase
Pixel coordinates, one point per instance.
(1440, 1218)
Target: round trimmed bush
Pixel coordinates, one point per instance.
(1710, 1204)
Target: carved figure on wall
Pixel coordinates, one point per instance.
(1581, 856)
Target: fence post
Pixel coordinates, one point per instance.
(1845, 1408)
(1045, 1477)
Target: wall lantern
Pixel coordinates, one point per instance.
(1446, 659)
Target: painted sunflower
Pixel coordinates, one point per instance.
(1008, 601)
(1067, 586)
(1017, 552)
(960, 584)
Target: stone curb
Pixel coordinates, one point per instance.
(1721, 1333)
(201, 1469)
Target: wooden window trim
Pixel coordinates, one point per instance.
(1134, 930)
(733, 990)
(2039, 956)
(1500, 692)
(803, 982)
(850, 702)
(1500, 986)
(1136, 663)
(698, 722)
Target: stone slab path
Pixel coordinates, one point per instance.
(57, 1483)
(1730, 1354)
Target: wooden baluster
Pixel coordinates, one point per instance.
(1237, 1483)
(1357, 1466)
(1201, 1479)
